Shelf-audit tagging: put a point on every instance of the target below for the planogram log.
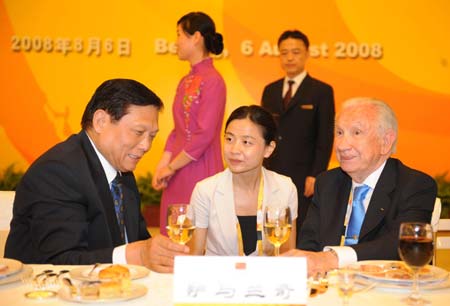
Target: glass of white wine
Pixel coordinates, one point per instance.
(345, 284)
(277, 225)
(180, 228)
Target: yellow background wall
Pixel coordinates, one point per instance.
(50, 65)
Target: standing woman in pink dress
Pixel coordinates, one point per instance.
(193, 148)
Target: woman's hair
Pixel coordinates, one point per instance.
(198, 21)
(260, 117)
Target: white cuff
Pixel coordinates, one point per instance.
(119, 255)
(346, 255)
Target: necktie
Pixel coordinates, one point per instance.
(288, 95)
(116, 191)
(357, 216)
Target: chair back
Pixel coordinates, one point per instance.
(6, 205)
(436, 215)
(435, 223)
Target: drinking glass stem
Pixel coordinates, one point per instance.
(277, 250)
(346, 299)
(415, 289)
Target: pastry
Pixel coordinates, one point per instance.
(110, 289)
(89, 290)
(116, 274)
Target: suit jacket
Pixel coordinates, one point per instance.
(305, 130)
(212, 202)
(63, 211)
(401, 195)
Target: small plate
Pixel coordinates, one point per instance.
(135, 291)
(82, 273)
(22, 274)
(402, 286)
(9, 267)
(396, 273)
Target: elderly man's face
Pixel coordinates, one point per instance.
(124, 142)
(360, 149)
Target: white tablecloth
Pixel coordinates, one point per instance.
(160, 293)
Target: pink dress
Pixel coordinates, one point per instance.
(198, 111)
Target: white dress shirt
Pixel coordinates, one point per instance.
(297, 82)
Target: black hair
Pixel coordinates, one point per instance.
(198, 21)
(259, 116)
(115, 96)
(296, 34)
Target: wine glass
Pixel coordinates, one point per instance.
(179, 227)
(345, 284)
(277, 225)
(416, 250)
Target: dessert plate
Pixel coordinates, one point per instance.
(9, 267)
(24, 273)
(86, 272)
(391, 273)
(135, 291)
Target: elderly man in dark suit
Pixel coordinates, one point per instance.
(304, 109)
(332, 236)
(78, 203)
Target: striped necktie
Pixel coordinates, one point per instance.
(288, 95)
(116, 191)
(357, 216)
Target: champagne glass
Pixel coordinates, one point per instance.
(416, 250)
(179, 227)
(345, 284)
(277, 225)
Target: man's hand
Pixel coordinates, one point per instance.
(318, 262)
(156, 253)
(309, 186)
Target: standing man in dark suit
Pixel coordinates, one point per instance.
(64, 209)
(304, 109)
(332, 236)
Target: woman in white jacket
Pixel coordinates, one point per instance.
(228, 206)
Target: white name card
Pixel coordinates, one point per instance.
(239, 280)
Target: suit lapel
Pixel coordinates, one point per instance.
(105, 198)
(301, 94)
(271, 189)
(380, 200)
(131, 210)
(277, 99)
(224, 205)
(334, 216)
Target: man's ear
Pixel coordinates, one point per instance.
(99, 120)
(269, 149)
(388, 141)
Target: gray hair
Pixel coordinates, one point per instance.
(385, 115)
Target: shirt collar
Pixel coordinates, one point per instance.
(298, 79)
(372, 179)
(110, 171)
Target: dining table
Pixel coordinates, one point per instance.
(160, 292)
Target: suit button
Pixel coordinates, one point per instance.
(280, 138)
